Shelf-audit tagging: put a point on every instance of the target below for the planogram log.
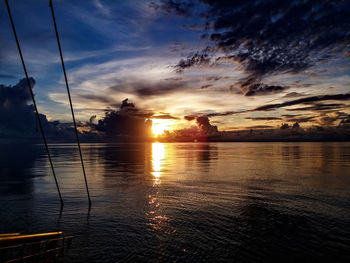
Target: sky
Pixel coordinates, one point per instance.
(241, 63)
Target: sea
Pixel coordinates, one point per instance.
(184, 202)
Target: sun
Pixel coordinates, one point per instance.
(159, 126)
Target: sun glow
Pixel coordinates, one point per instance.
(159, 126)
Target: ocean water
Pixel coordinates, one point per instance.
(184, 202)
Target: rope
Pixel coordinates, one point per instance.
(33, 99)
(70, 100)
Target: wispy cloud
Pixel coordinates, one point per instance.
(104, 9)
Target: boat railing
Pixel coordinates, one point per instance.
(45, 250)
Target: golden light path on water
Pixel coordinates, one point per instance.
(158, 155)
(158, 221)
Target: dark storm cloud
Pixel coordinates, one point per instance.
(291, 115)
(303, 100)
(173, 79)
(181, 8)
(145, 89)
(250, 86)
(204, 124)
(307, 100)
(293, 95)
(298, 118)
(17, 115)
(126, 104)
(272, 37)
(17, 95)
(197, 59)
(226, 113)
(262, 89)
(127, 121)
(156, 90)
(320, 107)
(97, 98)
(206, 86)
(213, 78)
(92, 119)
(190, 117)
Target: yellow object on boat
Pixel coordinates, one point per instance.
(16, 237)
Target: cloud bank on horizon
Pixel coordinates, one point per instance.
(241, 64)
(130, 123)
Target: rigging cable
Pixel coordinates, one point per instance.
(33, 99)
(70, 100)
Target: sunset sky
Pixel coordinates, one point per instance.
(243, 64)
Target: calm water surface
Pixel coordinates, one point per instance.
(243, 202)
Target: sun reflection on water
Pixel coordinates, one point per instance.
(158, 221)
(158, 154)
